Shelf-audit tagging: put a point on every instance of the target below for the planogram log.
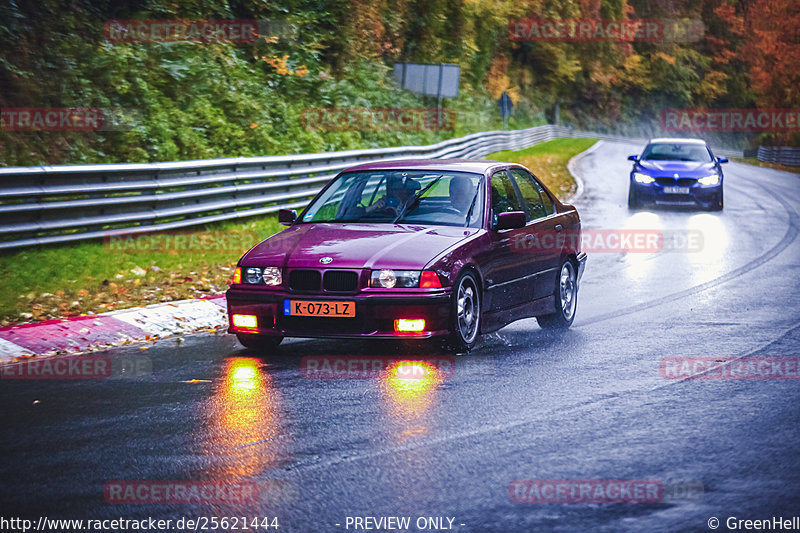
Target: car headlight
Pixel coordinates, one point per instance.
(389, 279)
(252, 275)
(713, 179)
(272, 276)
(269, 276)
(642, 178)
(404, 279)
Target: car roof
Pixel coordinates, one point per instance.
(676, 141)
(446, 165)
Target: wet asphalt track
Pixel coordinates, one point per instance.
(588, 404)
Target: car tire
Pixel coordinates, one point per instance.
(259, 343)
(465, 321)
(719, 204)
(633, 200)
(565, 296)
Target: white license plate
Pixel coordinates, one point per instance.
(676, 190)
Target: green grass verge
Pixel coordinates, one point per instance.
(764, 164)
(47, 282)
(548, 161)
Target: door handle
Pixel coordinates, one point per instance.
(559, 227)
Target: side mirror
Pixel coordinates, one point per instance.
(633, 158)
(722, 160)
(510, 220)
(287, 216)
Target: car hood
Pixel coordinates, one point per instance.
(355, 246)
(688, 169)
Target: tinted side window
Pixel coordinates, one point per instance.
(504, 197)
(537, 202)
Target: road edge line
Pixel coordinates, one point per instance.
(571, 168)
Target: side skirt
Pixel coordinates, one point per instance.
(499, 319)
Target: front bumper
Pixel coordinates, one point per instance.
(705, 196)
(581, 266)
(375, 314)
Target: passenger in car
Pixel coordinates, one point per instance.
(461, 192)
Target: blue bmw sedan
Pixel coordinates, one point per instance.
(680, 172)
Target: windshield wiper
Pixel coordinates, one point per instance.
(472, 204)
(414, 200)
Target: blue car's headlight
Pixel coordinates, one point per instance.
(642, 178)
(709, 180)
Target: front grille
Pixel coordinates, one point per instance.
(681, 182)
(304, 280)
(340, 281)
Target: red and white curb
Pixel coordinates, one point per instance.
(572, 168)
(115, 328)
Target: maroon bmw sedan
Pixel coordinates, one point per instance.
(449, 249)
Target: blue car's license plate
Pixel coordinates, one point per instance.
(676, 190)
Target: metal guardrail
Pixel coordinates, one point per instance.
(54, 204)
(724, 152)
(785, 155)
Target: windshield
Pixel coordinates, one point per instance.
(401, 196)
(677, 152)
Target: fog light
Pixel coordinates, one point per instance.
(245, 321)
(405, 325)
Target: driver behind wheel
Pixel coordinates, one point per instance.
(399, 189)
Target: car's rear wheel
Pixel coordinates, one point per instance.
(466, 313)
(259, 343)
(633, 199)
(566, 299)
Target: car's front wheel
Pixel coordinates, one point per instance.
(633, 199)
(259, 343)
(466, 313)
(719, 204)
(566, 299)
